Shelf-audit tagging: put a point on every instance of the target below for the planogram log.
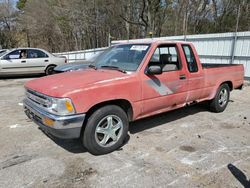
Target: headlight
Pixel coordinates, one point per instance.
(61, 106)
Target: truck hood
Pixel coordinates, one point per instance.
(62, 85)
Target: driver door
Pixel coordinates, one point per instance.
(168, 90)
(11, 63)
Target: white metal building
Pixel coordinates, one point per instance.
(224, 48)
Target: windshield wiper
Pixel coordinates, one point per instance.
(113, 68)
(92, 66)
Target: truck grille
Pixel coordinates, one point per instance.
(38, 98)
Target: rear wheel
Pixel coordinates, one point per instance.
(106, 130)
(50, 70)
(219, 103)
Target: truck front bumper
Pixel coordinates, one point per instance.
(65, 127)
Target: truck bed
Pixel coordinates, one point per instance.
(224, 72)
(216, 65)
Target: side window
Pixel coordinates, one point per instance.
(156, 56)
(191, 62)
(13, 55)
(166, 57)
(17, 54)
(36, 54)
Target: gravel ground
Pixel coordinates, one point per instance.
(189, 147)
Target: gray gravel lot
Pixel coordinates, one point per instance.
(189, 147)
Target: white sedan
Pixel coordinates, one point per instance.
(22, 61)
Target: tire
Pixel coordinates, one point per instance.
(50, 70)
(106, 130)
(220, 101)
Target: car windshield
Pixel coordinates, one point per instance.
(126, 57)
(2, 52)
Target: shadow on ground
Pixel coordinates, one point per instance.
(71, 145)
(167, 117)
(75, 145)
(13, 77)
(239, 175)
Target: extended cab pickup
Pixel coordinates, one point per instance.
(125, 83)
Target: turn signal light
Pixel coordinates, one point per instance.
(48, 121)
(69, 106)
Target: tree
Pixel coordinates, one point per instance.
(62, 25)
(21, 4)
(7, 24)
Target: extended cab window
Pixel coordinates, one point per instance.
(166, 57)
(190, 59)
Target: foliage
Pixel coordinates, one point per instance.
(21, 4)
(62, 25)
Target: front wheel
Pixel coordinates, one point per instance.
(106, 130)
(219, 103)
(50, 70)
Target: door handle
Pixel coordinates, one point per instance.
(182, 77)
(23, 61)
(46, 60)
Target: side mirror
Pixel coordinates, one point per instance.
(154, 69)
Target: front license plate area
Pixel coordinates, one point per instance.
(31, 115)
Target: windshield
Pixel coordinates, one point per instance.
(2, 52)
(126, 57)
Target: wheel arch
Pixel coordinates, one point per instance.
(217, 86)
(214, 103)
(50, 65)
(123, 103)
(229, 83)
(54, 65)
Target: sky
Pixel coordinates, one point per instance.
(12, 1)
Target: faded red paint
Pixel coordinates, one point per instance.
(89, 87)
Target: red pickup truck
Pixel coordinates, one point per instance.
(125, 83)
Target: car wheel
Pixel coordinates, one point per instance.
(219, 103)
(106, 130)
(50, 70)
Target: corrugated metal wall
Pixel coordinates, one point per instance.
(224, 48)
(75, 56)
